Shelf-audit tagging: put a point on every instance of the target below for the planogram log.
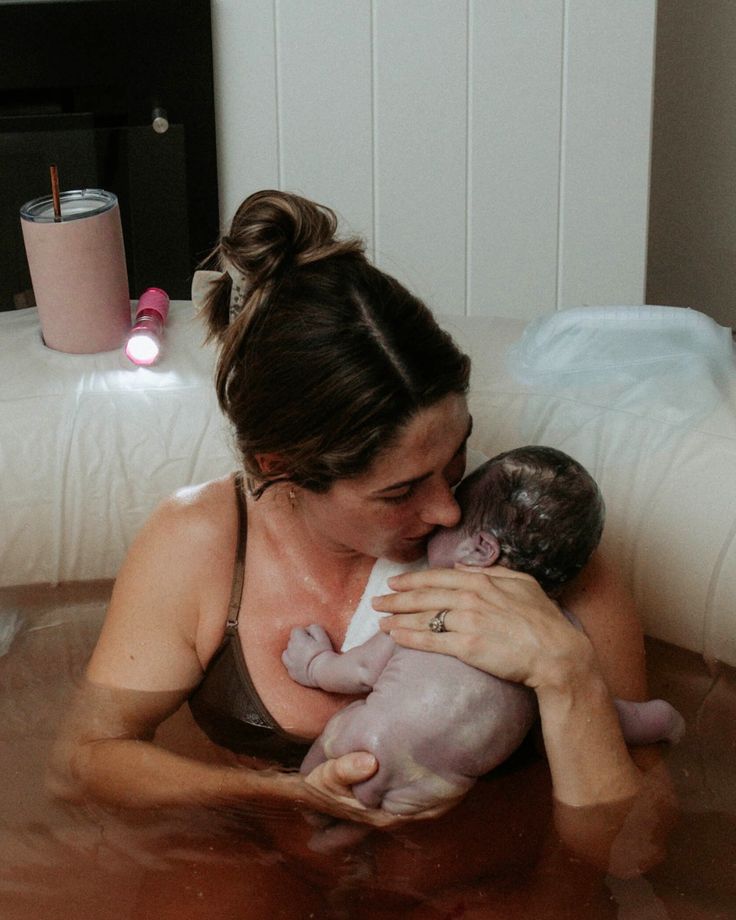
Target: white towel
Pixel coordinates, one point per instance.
(364, 622)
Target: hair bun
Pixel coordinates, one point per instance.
(273, 231)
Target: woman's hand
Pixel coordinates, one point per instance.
(328, 791)
(498, 620)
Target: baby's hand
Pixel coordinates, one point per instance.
(304, 646)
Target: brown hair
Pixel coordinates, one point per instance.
(543, 507)
(328, 357)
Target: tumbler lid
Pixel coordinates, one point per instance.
(75, 204)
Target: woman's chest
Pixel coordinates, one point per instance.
(271, 606)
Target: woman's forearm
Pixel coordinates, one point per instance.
(139, 774)
(587, 755)
(607, 810)
(104, 752)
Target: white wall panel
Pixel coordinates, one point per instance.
(245, 99)
(515, 70)
(609, 57)
(325, 105)
(496, 152)
(420, 74)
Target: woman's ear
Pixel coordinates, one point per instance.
(481, 549)
(271, 465)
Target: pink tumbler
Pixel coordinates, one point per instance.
(78, 270)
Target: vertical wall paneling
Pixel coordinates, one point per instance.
(515, 77)
(325, 105)
(605, 151)
(495, 153)
(245, 99)
(420, 80)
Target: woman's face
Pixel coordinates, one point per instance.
(390, 510)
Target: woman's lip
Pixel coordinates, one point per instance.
(420, 539)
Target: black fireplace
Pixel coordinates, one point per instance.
(118, 94)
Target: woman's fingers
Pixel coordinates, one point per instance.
(413, 621)
(336, 777)
(439, 578)
(330, 792)
(494, 571)
(435, 589)
(463, 591)
(497, 620)
(417, 601)
(425, 640)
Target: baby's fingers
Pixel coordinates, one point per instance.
(339, 775)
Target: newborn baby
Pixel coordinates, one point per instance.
(433, 722)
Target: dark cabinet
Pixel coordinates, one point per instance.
(80, 86)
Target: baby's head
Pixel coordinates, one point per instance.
(533, 509)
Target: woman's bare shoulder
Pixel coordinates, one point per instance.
(176, 572)
(195, 511)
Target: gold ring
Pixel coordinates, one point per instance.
(437, 623)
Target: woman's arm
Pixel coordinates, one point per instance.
(502, 622)
(105, 753)
(150, 654)
(629, 835)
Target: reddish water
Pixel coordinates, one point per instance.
(61, 861)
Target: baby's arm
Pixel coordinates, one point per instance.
(310, 660)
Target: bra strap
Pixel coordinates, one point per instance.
(233, 610)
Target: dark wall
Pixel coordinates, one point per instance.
(78, 85)
(692, 214)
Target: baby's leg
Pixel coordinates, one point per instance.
(649, 722)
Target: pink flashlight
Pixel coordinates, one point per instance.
(144, 340)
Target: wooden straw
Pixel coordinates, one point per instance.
(55, 192)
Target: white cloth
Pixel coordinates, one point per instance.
(364, 622)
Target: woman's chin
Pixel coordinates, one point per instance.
(408, 551)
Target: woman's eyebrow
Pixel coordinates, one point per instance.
(417, 479)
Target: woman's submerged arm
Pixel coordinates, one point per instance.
(611, 808)
(626, 834)
(144, 663)
(105, 753)
(149, 656)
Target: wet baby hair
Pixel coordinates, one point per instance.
(542, 506)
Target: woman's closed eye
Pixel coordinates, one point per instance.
(399, 497)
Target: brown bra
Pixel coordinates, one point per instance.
(225, 704)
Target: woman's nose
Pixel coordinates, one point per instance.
(440, 507)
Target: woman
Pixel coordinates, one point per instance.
(349, 411)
